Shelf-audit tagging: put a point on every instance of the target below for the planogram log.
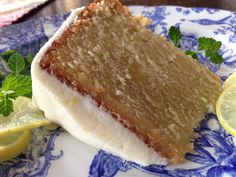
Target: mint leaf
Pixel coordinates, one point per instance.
(16, 63)
(24, 85)
(29, 58)
(205, 43)
(193, 54)
(6, 105)
(175, 35)
(2, 76)
(9, 83)
(7, 54)
(28, 61)
(209, 45)
(211, 48)
(18, 85)
(214, 57)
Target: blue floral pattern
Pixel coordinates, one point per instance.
(37, 159)
(184, 11)
(105, 164)
(226, 25)
(189, 42)
(202, 9)
(214, 150)
(221, 161)
(158, 13)
(22, 37)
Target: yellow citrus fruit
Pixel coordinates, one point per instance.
(230, 81)
(226, 109)
(13, 145)
(25, 116)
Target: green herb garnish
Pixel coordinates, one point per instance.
(175, 35)
(208, 46)
(16, 63)
(211, 48)
(192, 53)
(7, 54)
(17, 82)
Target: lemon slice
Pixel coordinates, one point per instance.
(14, 144)
(226, 109)
(230, 81)
(25, 116)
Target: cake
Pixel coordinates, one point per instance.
(112, 83)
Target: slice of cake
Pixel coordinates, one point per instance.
(115, 85)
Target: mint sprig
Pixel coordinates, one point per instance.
(175, 35)
(191, 53)
(19, 85)
(17, 82)
(16, 63)
(211, 48)
(208, 46)
(7, 54)
(6, 105)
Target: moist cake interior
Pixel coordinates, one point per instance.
(146, 83)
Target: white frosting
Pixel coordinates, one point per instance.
(82, 118)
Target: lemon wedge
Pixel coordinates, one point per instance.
(25, 116)
(230, 81)
(226, 109)
(14, 144)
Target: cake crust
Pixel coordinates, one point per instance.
(153, 139)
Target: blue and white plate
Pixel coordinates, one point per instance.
(55, 153)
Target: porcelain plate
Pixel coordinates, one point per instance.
(55, 153)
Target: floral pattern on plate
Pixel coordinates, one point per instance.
(214, 150)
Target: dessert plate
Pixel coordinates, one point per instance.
(53, 152)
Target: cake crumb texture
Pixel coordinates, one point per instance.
(147, 84)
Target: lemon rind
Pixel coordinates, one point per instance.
(222, 121)
(32, 125)
(16, 148)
